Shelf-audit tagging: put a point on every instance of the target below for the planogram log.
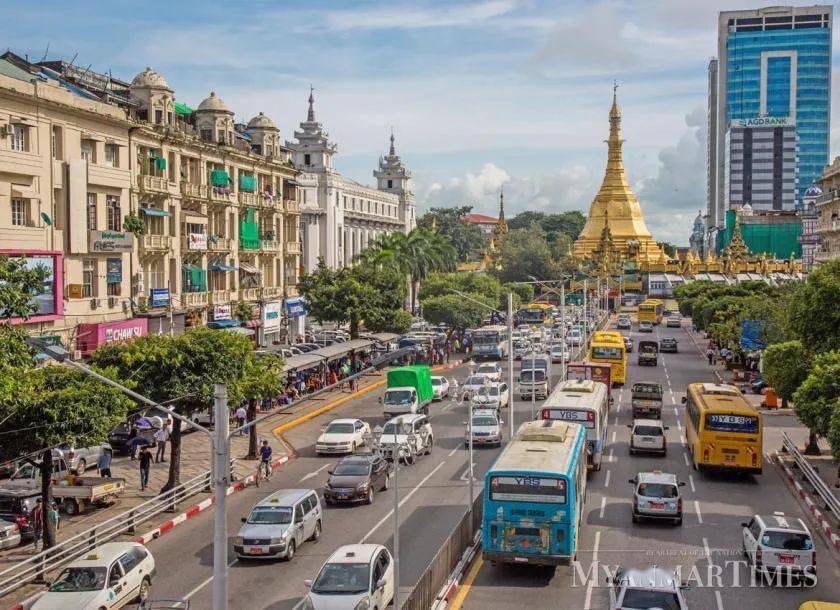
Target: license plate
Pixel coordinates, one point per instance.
(657, 505)
(647, 439)
(256, 550)
(785, 559)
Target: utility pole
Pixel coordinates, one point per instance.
(396, 518)
(510, 364)
(169, 299)
(563, 330)
(585, 314)
(221, 480)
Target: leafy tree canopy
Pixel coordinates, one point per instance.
(814, 314)
(785, 367)
(816, 399)
(555, 226)
(467, 239)
(524, 254)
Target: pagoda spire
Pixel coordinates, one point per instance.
(310, 116)
(392, 151)
(614, 161)
(501, 226)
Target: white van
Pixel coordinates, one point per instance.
(279, 524)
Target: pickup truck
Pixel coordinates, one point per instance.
(409, 391)
(646, 400)
(648, 353)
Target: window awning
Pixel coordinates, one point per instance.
(221, 268)
(242, 331)
(182, 109)
(154, 212)
(223, 324)
(249, 269)
(198, 216)
(25, 192)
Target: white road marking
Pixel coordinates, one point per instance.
(403, 501)
(697, 508)
(207, 582)
(685, 444)
(610, 456)
(690, 478)
(466, 475)
(677, 413)
(618, 409)
(706, 549)
(451, 453)
(607, 479)
(685, 457)
(314, 473)
(613, 436)
(588, 601)
(718, 600)
(603, 506)
(679, 424)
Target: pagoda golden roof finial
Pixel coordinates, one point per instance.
(737, 247)
(501, 226)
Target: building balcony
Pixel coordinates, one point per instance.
(156, 243)
(153, 184)
(249, 244)
(292, 290)
(195, 245)
(828, 228)
(220, 244)
(194, 191)
(250, 200)
(219, 297)
(194, 299)
(250, 294)
(292, 247)
(269, 245)
(291, 206)
(270, 292)
(222, 194)
(824, 257)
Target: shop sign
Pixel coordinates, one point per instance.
(124, 331)
(295, 308)
(74, 291)
(197, 241)
(271, 316)
(765, 121)
(159, 297)
(113, 270)
(222, 312)
(110, 241)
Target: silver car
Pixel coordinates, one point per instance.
(656, 495)
(652, 587)
(9, 534)
(279, 524)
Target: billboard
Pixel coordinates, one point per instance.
(110, 241)
(295, 308)
(271, 316)
(764, 121)
(45, 298)
(752, 334)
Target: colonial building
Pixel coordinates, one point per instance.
(154, 215)
(828, 208)
(810, 239)
(339, 216)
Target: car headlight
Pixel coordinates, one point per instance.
(363, 485)
(279, 540)
(238, 540)
(307, 603)
(363, 604)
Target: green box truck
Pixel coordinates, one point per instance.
(409, 391)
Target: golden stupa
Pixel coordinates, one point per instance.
(616, 208)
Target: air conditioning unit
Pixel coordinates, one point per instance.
(94, 303)
(112, 301)
(9, 129)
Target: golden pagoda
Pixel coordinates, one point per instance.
(501, 226)
(616, 207)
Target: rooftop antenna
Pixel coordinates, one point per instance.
(47, 52)
(73, 60)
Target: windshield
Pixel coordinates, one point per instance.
(339, 429)
(342, 578)
(606, 353)
(648, 430)
(486, 369)
(658, 490)
(75, 580)
(436, 381)
(390, 429)
(529, 376)
(270, 515)
(745, 424)
(642, 600)
(484, 421)
(486, 339)
(647, 388)
(789, 541)
(352, 469)
(398, 397)
(475, 380)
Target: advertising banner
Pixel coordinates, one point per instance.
(295, 308)
(271, 316)
(110, 241)
(222, 312)
(752, 332)
(197, 241)
(113, 270)
(159, 297)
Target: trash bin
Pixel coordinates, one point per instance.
(771, 400)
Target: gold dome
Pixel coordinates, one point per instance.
(616, 206)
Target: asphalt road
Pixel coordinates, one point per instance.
(714, 506)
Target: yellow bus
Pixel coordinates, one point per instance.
(536, 314)
(606, 347)
(651, 311)
(612, 335)
(722, 429)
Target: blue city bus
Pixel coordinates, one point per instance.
(534, 495)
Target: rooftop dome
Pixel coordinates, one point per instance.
(213, 103)
(261, 121)
(813, 191)
(150, 78)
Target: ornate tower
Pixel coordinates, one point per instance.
(616, 206)
(392, 176)
(501, 226)
(313, 151)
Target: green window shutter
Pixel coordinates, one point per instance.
(247, 183)
(249, 238)
(219, 177)
(161, 163)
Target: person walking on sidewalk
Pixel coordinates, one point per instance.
(145, 466)
(241, 417)
(37, 519)
(104, 463)
(54, 516)
(710, 354)
(161, 436)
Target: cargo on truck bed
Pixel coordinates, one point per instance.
(409, 391)
(646, 400)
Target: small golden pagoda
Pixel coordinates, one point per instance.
(615, 206)
(501, 226)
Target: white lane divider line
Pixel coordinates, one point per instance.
(707, 550)
(454, 451)
(685, 444)
(610, 457)
(405, 499)
(207, 582)
(679, 424)
(314, 473)
(613, 437)
(691, 480)
(607, 479)
(603, 506)
(587, 603)
(718, 600)
(685, 457)
(677, 413)
(699, 514)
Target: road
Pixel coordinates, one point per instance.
(710, 534)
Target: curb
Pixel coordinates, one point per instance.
(823, 523)
(702, 353)
(450, 588)
(201, 506)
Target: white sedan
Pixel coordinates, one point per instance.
(342, 436)
(490, 370)
(440, 387)
(559, 353)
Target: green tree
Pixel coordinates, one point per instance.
(389, 321)
(243, 311)
(524, 293)
(455, 311)
(816, 399)
(566, 225)
(467, 239)
(834, 431)
(18, 287)
(525, 253)
(54, 405)
(813, 313)
(785, 368)
(261, 378)
(669, 248)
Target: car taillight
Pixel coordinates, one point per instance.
(15, 527)
(72, 454)
(814, 559)
(559, 535)
(635, 503)
(758, 555)
(706, 454)
(679, 504)
(755, 459)
(21, 521)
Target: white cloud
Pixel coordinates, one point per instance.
(409, 17)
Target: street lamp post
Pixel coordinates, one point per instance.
(563, 330)
(396, 519)
(471, 364)
(510, 362)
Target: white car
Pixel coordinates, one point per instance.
(112, 575)
(559, 353)
(645, 327)
(776, 543)
(574, 337)
(356, 576)
(404, 430)
(473, 384)
(342, 436)
(495, 395)
(486, 429)
(648, 436)
(491, 370)
(674, 321)
(652, 587)
(440, 387)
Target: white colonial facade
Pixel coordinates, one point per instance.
(340, 217)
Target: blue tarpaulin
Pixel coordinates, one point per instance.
(223, 324)
(752, 332)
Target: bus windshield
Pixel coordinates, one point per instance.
(606, 353)
(537, 375)
(744, 424)
(486, 338)
(528, 489)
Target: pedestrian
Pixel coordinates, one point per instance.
(161, 436)
(36, 518)
(132, 449)
(145, 466)
(241, 417)
(54, 516)
(134, 443)
(710, 354)
(104, 462)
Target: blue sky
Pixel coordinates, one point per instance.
(481, 93)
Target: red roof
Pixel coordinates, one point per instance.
(479, 219)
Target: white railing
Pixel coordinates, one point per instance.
(36, 568)
(820, 487)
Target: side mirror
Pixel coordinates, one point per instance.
(501, 423)
(631, 481)
(244, 519)
(307, 583)
(465, 423)
(681, 483)
(380, 583)
(379, 400)
(683, 400)
(744, 524)
(330, 471)
(666, 427)
(629, 425)
(685, 586)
